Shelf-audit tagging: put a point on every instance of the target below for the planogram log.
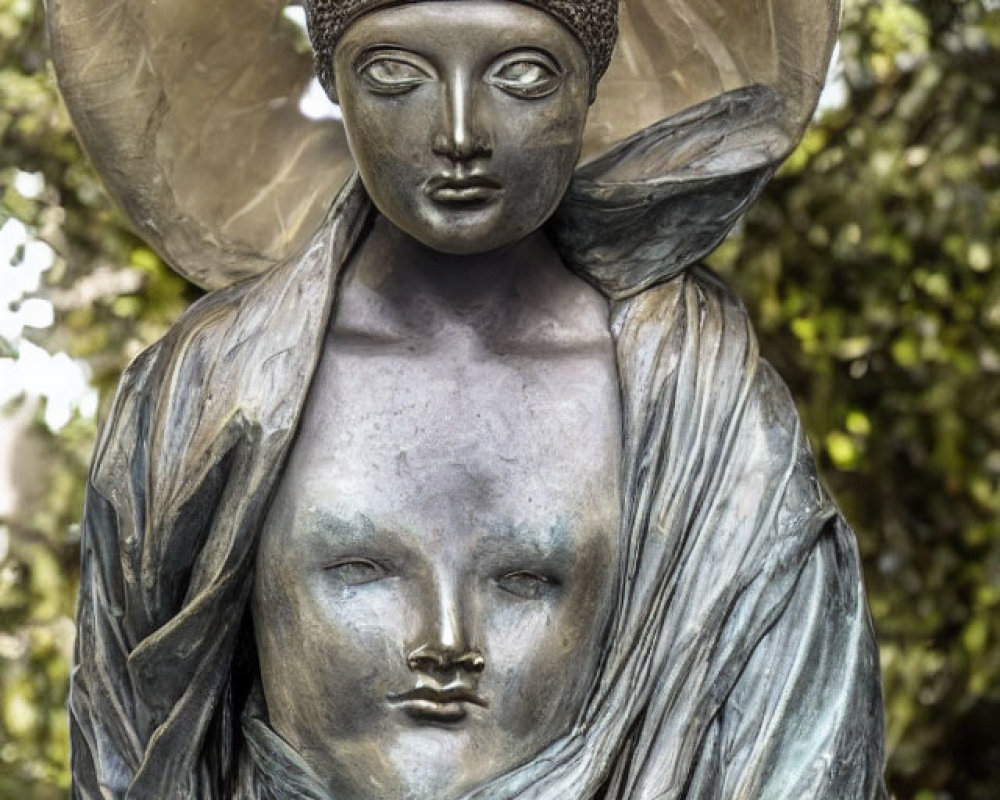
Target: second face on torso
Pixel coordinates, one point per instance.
(436, 573)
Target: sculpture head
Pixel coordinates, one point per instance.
(465, 117)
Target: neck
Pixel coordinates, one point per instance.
(460, 283)
(403, 288)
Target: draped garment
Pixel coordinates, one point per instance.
(740, 662)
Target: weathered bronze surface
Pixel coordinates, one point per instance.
(478, 487)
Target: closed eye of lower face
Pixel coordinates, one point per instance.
(528, 584)
(356, 571)
(523, 583)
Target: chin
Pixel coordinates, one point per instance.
(466, 239)
(471, 231)
(446, 764)
(473, 246)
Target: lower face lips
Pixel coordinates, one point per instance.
(431, 711)
(433, 704)
(457, 194)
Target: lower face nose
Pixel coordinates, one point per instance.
(443, 642)
(430, 659)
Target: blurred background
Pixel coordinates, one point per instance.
(871, 268)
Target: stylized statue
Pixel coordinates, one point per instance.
(477, 487)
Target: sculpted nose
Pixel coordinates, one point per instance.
(430, 659)
(462, 136)
(443, 644)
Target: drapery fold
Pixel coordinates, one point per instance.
(741, 662)
(734, 559)
(181, 478)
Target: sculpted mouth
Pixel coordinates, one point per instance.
(433, 704)
(463, 190)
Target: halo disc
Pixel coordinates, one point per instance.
(190, 109)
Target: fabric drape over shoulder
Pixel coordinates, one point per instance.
(181, 478)
(741, 662)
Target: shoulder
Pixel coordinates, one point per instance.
(692, 322)
(204, 327)
(241, 354)
(689, 343)
(168, 374)
(215, 329)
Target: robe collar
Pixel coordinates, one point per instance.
(665, 198)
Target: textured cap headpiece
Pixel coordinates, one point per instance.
(594, 22)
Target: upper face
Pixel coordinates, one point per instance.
(436, 574)
(465, 118)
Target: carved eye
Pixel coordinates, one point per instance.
(527, 584)
(527, 76)
(356, 571)
(392, 74)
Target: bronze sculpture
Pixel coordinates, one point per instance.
(420, 512)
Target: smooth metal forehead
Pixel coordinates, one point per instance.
(190, 110)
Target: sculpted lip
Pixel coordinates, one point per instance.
(460, 190)
(431, 704)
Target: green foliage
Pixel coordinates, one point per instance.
(112, 297)
(872, 270)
